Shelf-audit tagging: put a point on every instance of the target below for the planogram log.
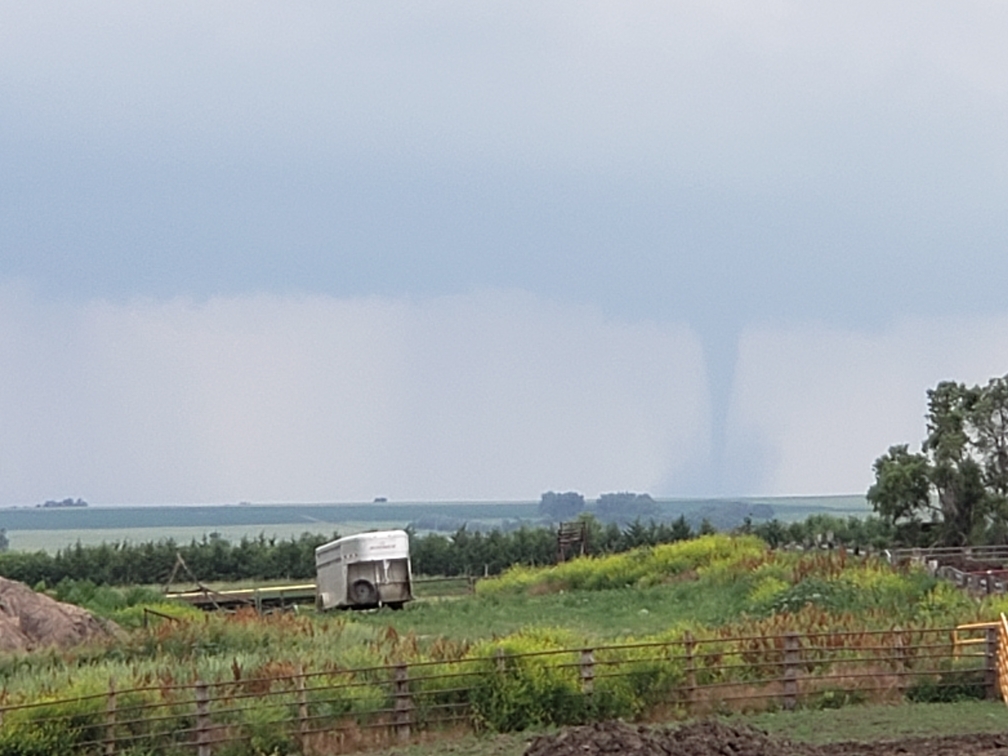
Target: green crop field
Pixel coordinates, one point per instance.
(34, 529)
(37, 529)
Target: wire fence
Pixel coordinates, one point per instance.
(338, 710)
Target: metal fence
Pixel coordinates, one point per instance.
(338, 710)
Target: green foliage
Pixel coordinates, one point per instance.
(212, 559)
(44, 739)
(473, 553)
(264, 733)
(960, 477)
(54, 728)
(902, 488)
(515, 692)
(855, 533)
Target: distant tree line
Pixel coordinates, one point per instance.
(622, 508)
(52, 503)
(465, 552)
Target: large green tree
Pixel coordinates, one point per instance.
(959, 479)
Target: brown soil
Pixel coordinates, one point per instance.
(712, 738)
(949, 745)
(30, 620)
(708, 738)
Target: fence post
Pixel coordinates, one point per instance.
(110, 720)
(899, 660)
(587, 671)
(202, 719)
(990, 663)
(299, 684)
(501, 664)
(792, 656)
(403, 704)
(690, 645)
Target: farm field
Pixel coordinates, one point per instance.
(52, 541)
(36, 529)
(672, 629)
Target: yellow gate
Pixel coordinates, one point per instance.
(1002, 658)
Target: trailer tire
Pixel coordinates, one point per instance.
(364, 593)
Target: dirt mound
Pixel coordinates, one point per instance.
(708, 738)
(30, 620)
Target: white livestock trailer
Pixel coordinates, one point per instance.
(364, 570)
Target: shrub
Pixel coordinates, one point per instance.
(949, 688)
(719, 555)
(516, 691)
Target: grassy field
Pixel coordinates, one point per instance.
(605, 614)
(867, 723)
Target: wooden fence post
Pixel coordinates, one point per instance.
(403, 703)
(991, 663)
(587, 669)
(501, 664)
(792, 657)
(302, 697)
(110, 720)
(202, 719)
(899, 661)
(690, 645)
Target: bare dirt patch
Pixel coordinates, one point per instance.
(714, 738)
(30, 620)
(707, 738)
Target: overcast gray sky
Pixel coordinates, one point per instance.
(318, 251)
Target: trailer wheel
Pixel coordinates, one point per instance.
(364, 593)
